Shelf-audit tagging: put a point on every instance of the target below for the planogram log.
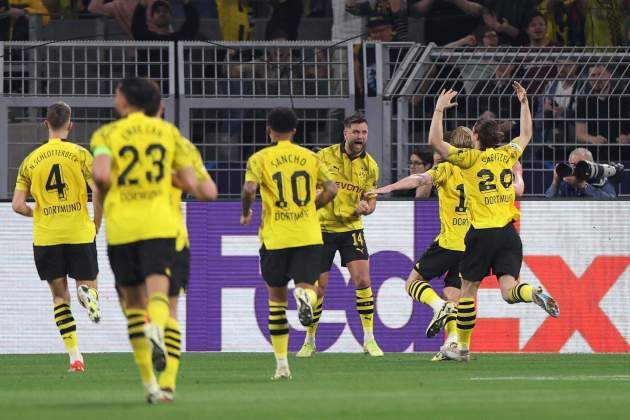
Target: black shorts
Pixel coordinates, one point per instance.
(132, 263)
(351, 246)
(301, 264)
(77, 261)
(496, 249)
(179, 272)
(436, 261)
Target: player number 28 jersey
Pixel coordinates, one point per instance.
(454, 221)
(56, 175)
(144, 152)
(488, 182)
(288, 176)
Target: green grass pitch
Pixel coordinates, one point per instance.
(328, 386)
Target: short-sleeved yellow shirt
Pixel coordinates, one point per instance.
(454, 221)
(288, 176)
(144, 152)
(488, 180)
(353, 177)
(56, 175)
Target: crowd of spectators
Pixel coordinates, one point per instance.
(522, 22)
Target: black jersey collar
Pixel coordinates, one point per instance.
(343, 151)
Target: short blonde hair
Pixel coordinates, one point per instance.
(461, 137)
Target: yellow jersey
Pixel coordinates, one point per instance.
(288, 176)
(488, 182)
(181, 240)
(144, 152)
(454, 222)
(353, 177)
(56, 175)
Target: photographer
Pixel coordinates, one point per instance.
(577, 186)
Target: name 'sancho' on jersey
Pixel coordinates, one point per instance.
(295, 159)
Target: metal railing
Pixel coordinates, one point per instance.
(227, 89)
(83, 74)
(219, 94)
(579, 98)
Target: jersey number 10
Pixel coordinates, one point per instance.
(299, 201)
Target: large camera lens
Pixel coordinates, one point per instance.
(564, 169)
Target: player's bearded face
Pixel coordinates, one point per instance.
(356, 138)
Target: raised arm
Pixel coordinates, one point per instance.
(526, 116)
(436, 134)
(519, 183)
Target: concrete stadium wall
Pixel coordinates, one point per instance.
(578, 251)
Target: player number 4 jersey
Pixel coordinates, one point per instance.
(56, 175)
(488, 182)
(288, 176)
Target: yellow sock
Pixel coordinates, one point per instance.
(173, 339)
(451, 323)
(365, 307)
(520, 293)
(421, 291)
(158, 309)
(140, 344)
(67, 327)
(466, 316)
(317, 314)
(279, 329)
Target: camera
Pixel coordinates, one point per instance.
(595, 174)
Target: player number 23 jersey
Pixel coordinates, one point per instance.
(144, 151)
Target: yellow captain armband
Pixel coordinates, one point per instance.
(101, 150)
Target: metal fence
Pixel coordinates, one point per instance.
(82, 74)
(219, 94)
(579, 98)
(229, 87)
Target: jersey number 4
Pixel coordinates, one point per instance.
(55, 182)
(282, 202)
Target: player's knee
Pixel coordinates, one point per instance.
(361, 281)
(506, 295)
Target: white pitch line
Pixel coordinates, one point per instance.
(555, 378)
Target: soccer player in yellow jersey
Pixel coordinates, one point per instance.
(443, 256)
(56, 175)
(134, 158)
(290, 233)
(355, 172)
(180, 270)
(492, 242)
